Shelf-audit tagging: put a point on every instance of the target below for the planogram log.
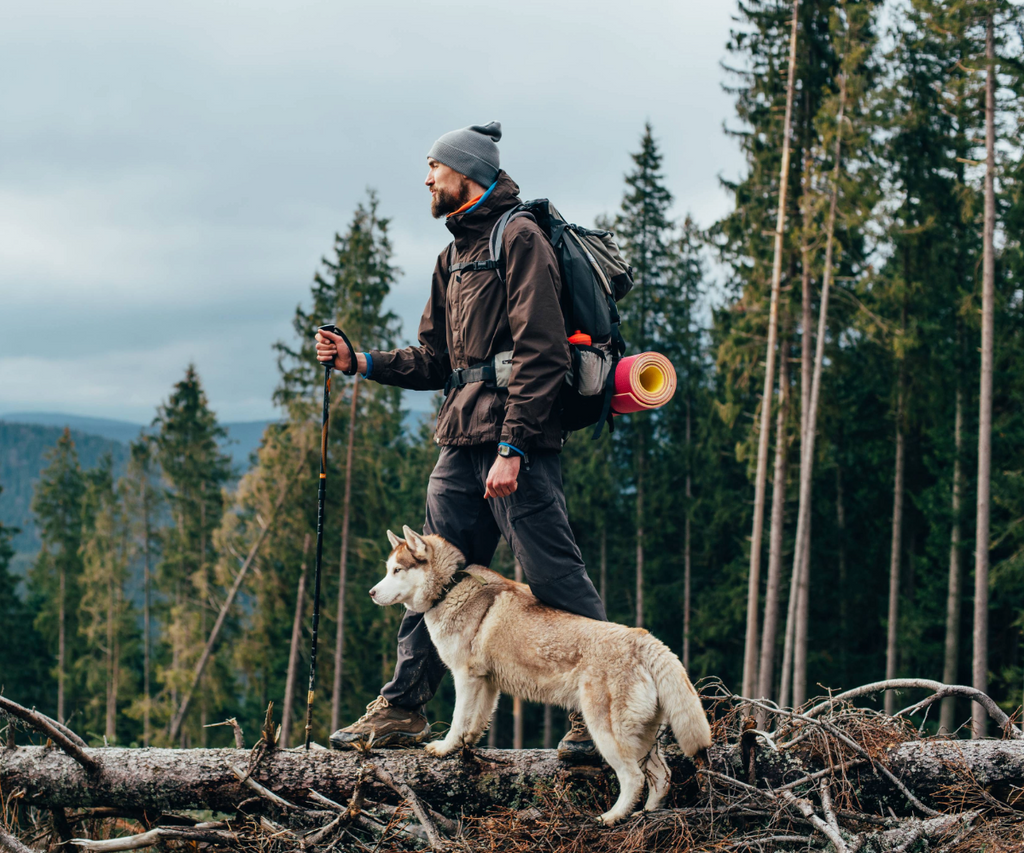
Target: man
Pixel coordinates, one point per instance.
(499, 472)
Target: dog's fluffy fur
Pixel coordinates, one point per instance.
(495, 636)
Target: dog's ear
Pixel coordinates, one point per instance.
(394, 540)
(417, 546)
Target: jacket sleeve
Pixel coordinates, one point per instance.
(540, 352)
(425, 367)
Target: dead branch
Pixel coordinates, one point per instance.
(807, 810)
(210, 833)
(266, 793)
(60, 735)
(11, 844)
(236, 728)
(405, 791)
(940, 691)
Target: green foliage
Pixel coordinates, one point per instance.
(195, 472)
(902, 321)
(24, 667)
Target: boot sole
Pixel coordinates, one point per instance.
(579, 756)
(390, 740)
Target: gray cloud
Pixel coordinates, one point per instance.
(172, 173)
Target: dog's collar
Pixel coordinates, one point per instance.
(453, 582)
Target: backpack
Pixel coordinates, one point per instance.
(594, 277)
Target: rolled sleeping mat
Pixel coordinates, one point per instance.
(643, 381)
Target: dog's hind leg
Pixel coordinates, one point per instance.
(624, 754)
(658, 778)
(474, 701)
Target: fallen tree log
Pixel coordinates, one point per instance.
(167, 779)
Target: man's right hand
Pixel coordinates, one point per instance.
(330, 345)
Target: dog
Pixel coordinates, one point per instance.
(496, 637)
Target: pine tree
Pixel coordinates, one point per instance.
(106, 623)
(57, 506)
(195, 471)
(645, 234)
(364, 456)
(143, 503)
(25, 677)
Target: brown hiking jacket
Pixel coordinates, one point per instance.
(471, 316)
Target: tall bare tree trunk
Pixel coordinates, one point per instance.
(801, 563)
(979, 667)
(640, 532)
(111, 715)
(492, 731)
(549, 726)
(517, 703)
(203, 731)
(146, 581)
(750, 652)
(294, 650)
(895, 548)
(949, 668)
(771, 595)
(844, 607)
(61, 647)
(801, 581)
(339, 636)
(687, 554)
(800, 633)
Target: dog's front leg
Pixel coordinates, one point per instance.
(472, 695)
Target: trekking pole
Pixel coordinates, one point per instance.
(321, 494)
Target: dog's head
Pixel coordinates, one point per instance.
(410, 579)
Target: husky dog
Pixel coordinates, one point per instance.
(495, 636)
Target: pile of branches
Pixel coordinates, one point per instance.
(829, 777)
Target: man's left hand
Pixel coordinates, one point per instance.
(503, 476)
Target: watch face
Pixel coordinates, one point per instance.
(504, 451)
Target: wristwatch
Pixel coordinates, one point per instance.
(506, 451)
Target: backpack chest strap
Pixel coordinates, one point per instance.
(473, 265)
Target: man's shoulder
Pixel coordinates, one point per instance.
(524, 230)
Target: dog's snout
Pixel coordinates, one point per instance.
(373, 592)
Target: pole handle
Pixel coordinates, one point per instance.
(353, 364)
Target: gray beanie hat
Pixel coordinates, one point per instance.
(470, 151)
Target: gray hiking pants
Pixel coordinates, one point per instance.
(533, 520)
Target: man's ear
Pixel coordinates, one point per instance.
(394, 540)
(416, 544)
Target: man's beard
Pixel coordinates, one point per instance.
(442, 202)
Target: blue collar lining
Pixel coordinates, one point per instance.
(483, 198)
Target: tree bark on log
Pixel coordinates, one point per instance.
(168, 779)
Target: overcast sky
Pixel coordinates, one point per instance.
(171, 173)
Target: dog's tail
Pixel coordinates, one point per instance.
(678, 698)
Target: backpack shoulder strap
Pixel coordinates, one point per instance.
(498, 235)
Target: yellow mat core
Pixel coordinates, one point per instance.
(652, 380)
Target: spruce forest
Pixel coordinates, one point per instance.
(835, 495)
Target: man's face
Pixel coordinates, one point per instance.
(449, 190)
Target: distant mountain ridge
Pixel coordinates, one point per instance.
(25, 438)
(243, 436)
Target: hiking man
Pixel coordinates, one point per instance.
(499, 472)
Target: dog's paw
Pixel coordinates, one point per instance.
(607, 819)
(438, 749)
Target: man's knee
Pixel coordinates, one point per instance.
(573, 592)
